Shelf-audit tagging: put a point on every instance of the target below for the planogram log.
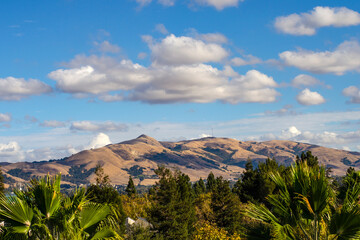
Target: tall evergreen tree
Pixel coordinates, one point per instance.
(311, 160)
(130, 189)
(226, 206)
(210, 182)
(199, 187)
(173, 212)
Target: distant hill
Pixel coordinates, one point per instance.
(139, 157)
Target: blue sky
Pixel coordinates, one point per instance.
(78, 74)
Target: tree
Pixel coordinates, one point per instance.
(199, 187)
(305, 207)
(172, 213)
(101, 178)
(311, 160)
(210, 182)
(42, 212)
(103, 193)
(226, 207)
(130, 189)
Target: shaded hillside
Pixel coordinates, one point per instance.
(139, 157)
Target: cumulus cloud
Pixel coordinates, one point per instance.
(5, 117)
(352, 92)
(11, 152)
(219, 4)
(204, 83)
(14, 89)
(174, 50)
(245, 60)
(308, 23)
(107, 47)
(324, 138)
(306, 97)
(98, 141)
(110, 80)
(289, 133)
(305, 80)
(346, 57)
(95, 75)
(161, 28)
(52, 123)
(98, 126)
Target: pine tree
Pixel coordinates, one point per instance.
(199, 187)
(130, 189)
(210, 182)
(311, 160)
(173, 212)
(226, 206)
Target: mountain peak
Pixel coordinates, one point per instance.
(144, 136)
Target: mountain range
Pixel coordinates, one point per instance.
(139, 157)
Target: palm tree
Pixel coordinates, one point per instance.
(305, 207)
(42, 212)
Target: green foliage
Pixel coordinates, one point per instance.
(173, 212)
(130, 188)
(311, 160)
(78, 174)
(42, 212)
(199, 187)
(226, 207)
(305, 207)
(210, 182)
(18, 172)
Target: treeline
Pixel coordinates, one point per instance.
(270, 201)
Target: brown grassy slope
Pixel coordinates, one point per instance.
(222, 156)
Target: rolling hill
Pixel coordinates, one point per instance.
(139, 157)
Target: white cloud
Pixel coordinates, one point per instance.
(219, 4)
(5, 117)
(161, 28)
(107, 47)
(174, 50)
(18, 88)
(245, 60)
(204, 83)
(308, 23)
(289, 133)
(306, 97)
(352, 92)
(98, 127)
(212, 37)
(98, 141)
(95, 75)
(346, 148)
(111, 98)
(305, 80)
(109, 80)
(11, 152)
(52, 123)
(346, 57)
